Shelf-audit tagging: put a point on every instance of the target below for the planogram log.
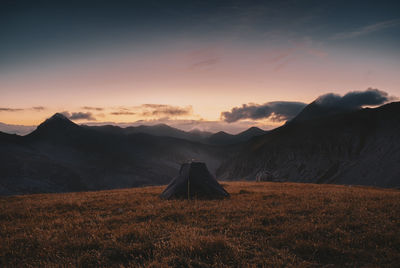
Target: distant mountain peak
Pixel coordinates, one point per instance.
(58, 119)
(58, 116)
(252, 130)
(250, 133)
(57, 123)
(223, 138)
(316, 110)
(222, 134)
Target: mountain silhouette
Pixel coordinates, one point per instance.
(223, 138)
(352, 147)
(56, 123)
(62, 156)
(56, 127)
(161, 130)
(316, 110)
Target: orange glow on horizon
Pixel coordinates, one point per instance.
(210, 80)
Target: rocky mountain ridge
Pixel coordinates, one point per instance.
(356, 147)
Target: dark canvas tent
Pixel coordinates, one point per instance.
(194, 181)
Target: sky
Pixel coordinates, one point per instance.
(191, 64)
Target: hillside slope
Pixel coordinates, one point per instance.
(261, 225)
(357, 147)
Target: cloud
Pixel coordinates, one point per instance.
(279, 111)
(92, 108)
(3, 109)
(355, 99)
(367, 29)
(165, 110)
(153, 106)
(282, 65)
(204, 63)
(203, 59)
(153, 110)
(79, 116)
(38, 108)
(123, 113)
(275, 111)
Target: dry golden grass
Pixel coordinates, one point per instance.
(262, 224)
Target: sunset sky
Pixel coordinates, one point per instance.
(184, 63)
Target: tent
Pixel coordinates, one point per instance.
(194, 182)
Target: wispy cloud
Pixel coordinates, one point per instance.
(152, 110)
(165, 110)
(123, 113)
(203, 64)
(282, 58)
(366, 29)
(203, 59)
(4, 109)
(35, 108)
(38, 108)
(92, 108)
(281, 65)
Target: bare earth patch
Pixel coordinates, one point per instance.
(262, 224)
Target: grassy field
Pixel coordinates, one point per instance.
(262, 224)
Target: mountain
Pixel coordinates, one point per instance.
(161, 130)
(250, 133)
(353, 147)
(57, 121)
(56, 127)
(167, 131)
(61, 156)
(316, 110)
(223, 138)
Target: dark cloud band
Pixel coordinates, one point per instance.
(284, 110)
(354, 99)
(276, 111)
